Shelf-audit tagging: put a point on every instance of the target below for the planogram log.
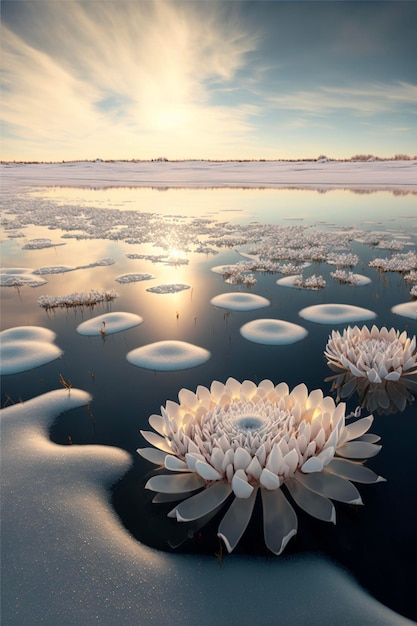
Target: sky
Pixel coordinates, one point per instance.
(207, 79)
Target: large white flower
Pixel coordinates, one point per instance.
(377, 363)
(231, 440)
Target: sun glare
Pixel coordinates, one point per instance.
(170, 119)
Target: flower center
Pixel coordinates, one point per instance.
(249, 422)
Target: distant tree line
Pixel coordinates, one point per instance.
(321, 158)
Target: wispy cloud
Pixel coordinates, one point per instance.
(125, 79)
(364, 100)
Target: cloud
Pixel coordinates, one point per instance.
(364, 100)
(124, 79)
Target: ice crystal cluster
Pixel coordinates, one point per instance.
(225, 444)
(345, 278)
(397, 263)
(343, 260)
(377, 363)
(310, 282)
(76, 299)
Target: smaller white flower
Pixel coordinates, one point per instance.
(378, 363)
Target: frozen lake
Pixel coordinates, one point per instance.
(155, 235)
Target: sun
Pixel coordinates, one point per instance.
(169, 119)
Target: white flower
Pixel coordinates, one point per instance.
(231, 440)
(377, 363)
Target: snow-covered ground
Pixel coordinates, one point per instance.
(375, 174)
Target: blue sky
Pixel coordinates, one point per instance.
(182, 79)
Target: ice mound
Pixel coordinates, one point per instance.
(237, 301)
(109, 323)
(407, 309)
(336, 313)
(273, 332)
(19, 277)
(168, 288)
(133, 278)
(168, 355)
(24, 347)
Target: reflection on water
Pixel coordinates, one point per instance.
(377, 542)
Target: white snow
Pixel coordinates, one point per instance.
(109, 323)
(67, 559)
(237, 301)
(336, 313)
(273, 332)
(25, 347)
(168, 355)
(378, 174)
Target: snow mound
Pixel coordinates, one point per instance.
(168, 355)
(273, 332)
(336, 313)
(25, 347)
(237, 301)
(109, 323)
(407, 309)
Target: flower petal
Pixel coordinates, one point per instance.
(234, 523)
(331, 486)
(157, 422)
(179, 483)
(269, 480)
(358, 450)
(280, 520)
(202, 503)
(155, 440)
(353, 471)
(153, 455)
(207, 471)
(313, 464)
(240, 486)
(311, 502)
(242, 459)
(356, 429)
(174, 464)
